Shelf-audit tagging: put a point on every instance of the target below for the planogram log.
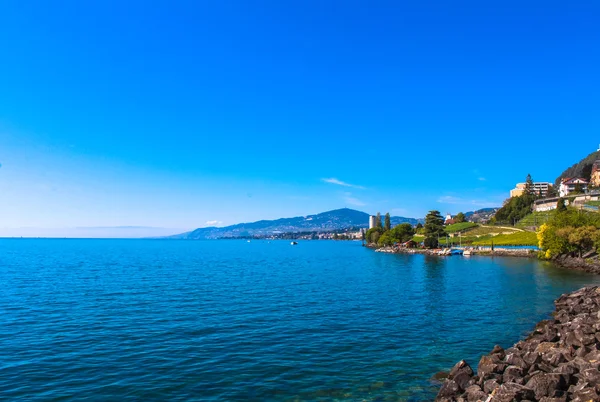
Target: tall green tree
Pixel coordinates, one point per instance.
(378, 220)
(373, 234)
(434, 227)
(583, 238)
(386, 239)
(529, 184)
(560, 205)
(460, 218)
(402, 233)
(515, 209)
(387, 225)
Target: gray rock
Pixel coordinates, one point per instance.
(513, 392)
(474, 393)
(545, 384)
(516, 360)
(490, 385)
(490, 365)
(513, 374)
(449, 389)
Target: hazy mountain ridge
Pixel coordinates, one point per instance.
(326, 221)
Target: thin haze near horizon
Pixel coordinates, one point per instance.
(130, 119)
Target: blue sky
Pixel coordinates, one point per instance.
(140, 118)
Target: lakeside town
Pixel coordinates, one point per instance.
(556, 219)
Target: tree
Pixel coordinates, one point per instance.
(378, 220)
(434, 227)
(460, 218)
(560, 205)
(515, 209)
(430, 242)
(419, 226)
(402, 233)
(582, 238)
(387, 224)
(386, 239)
(372, 235)
(552, 192)
(578, 189)
(529, 184)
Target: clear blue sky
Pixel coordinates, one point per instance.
(170, 115)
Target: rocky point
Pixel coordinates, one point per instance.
(558, 362)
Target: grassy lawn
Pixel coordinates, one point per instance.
(457, 227)
(514, 239)
(489, 230)
(593, 203)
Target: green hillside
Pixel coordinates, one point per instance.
(458, 227)
(535, 219)
(583, 168)
(515, 239)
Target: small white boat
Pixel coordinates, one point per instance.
(467, 252)
(294, 243)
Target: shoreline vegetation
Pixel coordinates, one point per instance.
(567, 236)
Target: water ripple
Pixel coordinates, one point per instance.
(200, 321)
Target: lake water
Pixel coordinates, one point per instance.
(158, 320)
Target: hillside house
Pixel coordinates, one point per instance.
(569, 185)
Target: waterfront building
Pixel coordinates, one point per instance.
(538, 187)
(372, 221)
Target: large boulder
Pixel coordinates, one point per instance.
(513, 392)
(449, 389)
(547, 384)
(490, 364)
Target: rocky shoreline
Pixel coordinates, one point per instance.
(498, 251)
(591, 265)
(558, 362)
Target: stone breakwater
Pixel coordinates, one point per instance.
(499, 252)
(558, 362)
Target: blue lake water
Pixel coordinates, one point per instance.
(159, 320)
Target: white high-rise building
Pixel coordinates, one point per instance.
(372, 221)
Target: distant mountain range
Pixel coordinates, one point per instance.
(481, 215)
(338, 219)
(327, 221)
